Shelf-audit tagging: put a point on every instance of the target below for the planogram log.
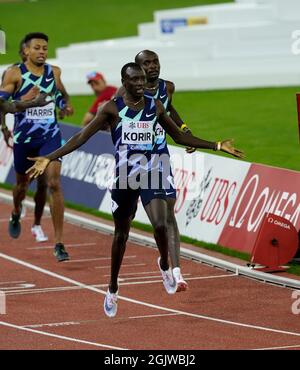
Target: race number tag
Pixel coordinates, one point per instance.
(159, 132)
(140, 132)
(41, 113)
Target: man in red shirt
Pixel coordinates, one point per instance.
(103, 92)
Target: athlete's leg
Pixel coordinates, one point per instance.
(40, 199)
(21, 164)
(156, 211)
(122, 227)
(19, 191)
(56, 199)
(124, 203)
(124, 206)
(174, 246)
(173, 234)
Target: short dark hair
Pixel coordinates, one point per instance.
(129, 65)
(35, 35)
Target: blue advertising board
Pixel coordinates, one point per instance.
(87, 172)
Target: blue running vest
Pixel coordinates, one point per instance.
(37, 123)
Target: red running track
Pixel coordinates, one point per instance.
(219, 311)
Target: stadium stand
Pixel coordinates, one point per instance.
(247, 43)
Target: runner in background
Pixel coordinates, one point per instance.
(36, 131)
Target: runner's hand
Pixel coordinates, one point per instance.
(227, 147)
(42, 99)
(189, 150)
(31, 94)
(39, 166)
(68, 110)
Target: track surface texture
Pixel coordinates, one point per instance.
(51, 305)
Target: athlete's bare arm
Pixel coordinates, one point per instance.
(60, 86)
(107, 115)
(172, 111)
(5, 131)
(20, 106)
(175, 115)
(11, 80)
(189, 140)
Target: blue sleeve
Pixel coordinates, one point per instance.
(5, 95)
(59, 100)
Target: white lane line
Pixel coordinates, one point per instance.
(53, 324)
(150, 316)
(97, 259)
(139, 277)
(211, 277)
(12, 282)
(137, 273)
(141, 303)
(128, 265)
(66, 245)
(187, 278)
(21, 286)
(59, 336)
(71, 288)
(282, 347)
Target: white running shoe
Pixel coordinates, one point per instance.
(38, 233)
(169, 282)
(110, 304)
(182, 285)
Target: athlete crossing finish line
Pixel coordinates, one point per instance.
(137, 169)
(163, 90)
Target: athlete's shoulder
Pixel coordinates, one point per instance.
(56, 70)
(15, 65)
(170, 86)
(12, 73)
(109, 107)
(15, 68)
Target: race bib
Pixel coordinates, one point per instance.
(41, 113)
(140, 132)
(159, 132)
